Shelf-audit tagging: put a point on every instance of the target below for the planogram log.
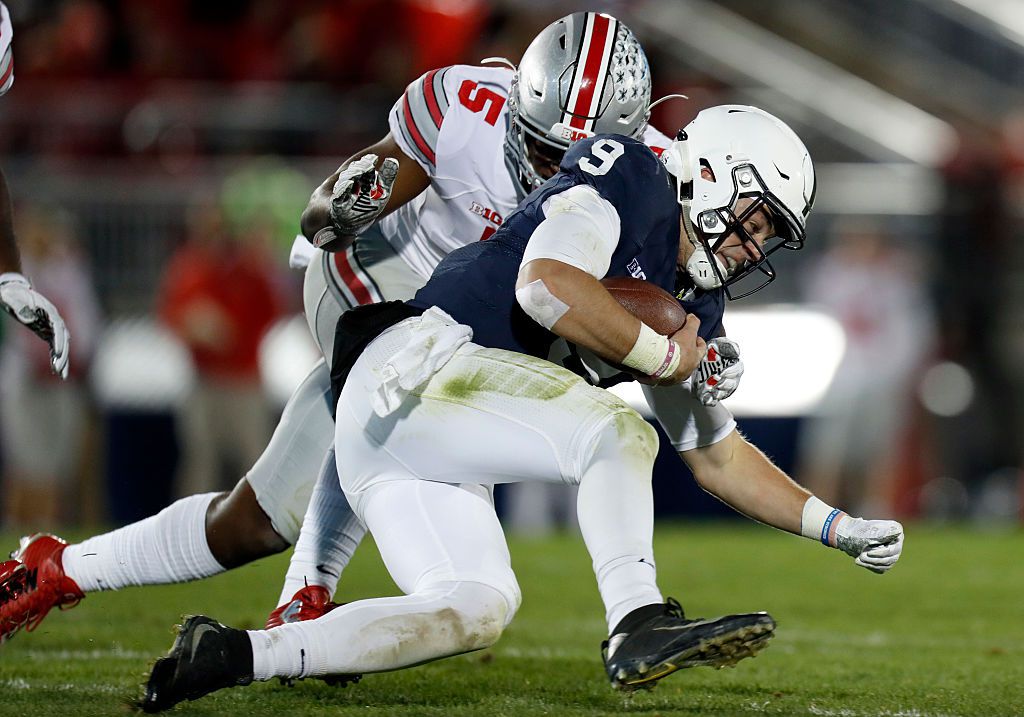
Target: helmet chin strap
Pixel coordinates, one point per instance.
(499, 61)
(698, 266)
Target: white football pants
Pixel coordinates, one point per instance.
(492, 416)
(284, 475)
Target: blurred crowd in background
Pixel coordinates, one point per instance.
(160, 153)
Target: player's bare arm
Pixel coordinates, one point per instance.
(736, 472)
(22, 301)
(594, 319)
(10, 258)
(410, 182)
(739, 474)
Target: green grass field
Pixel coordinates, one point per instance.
(943, 634)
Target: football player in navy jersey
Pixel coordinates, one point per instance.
(445, 394)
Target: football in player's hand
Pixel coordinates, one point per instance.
(648, 302)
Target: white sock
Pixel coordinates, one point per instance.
(169, 547)
(329, 536)
(615, 507)
(384, 633)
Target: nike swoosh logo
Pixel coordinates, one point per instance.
(291, 613)
(614, 642)
(197, 635)
(686, 626)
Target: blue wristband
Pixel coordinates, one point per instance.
(828, 525)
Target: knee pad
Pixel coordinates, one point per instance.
(479, 612)
(627, 438)
(283, 477)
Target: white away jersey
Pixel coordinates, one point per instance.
(452, 121)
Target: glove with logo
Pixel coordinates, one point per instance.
(34, 310)
(361, 193)
(718, 375)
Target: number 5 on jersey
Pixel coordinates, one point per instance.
(605, 152)
(476, 99)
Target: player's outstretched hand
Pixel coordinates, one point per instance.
(34, 310)
(718, 374)
(874, 544)
(693, 350)
(361, 192)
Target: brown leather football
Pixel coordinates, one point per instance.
(648, 302)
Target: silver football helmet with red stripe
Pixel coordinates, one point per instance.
(6, 59)
(584, 74)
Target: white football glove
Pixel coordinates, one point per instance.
(37, 313)
(361, 193)
(875, 544)
(718, 375)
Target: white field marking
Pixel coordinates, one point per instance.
(791, 641)
(115, 653)
(876, 639)
(823, 712)
(813, 709)
(21, 684)
(545, 653)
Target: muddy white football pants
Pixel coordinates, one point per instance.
(439, 616)
(491, 416)
(417, 478)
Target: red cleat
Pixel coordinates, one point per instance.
(33, 583)
(309, 603)
(12, 576)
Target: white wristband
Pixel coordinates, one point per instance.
(819, 521)
(653, 354)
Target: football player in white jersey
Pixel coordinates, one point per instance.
(467, 145)
(17, 296)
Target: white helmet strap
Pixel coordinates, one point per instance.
(683, 173)
(698, 266)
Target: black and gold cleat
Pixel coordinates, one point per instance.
(205, 657)
(656, 640)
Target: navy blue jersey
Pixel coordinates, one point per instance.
(476, 283)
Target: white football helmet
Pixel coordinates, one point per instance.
(584, 74)
(750, 153)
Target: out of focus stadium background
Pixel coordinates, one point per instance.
(160, 151)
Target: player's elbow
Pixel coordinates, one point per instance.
(314, 217)
(551, 271)
(540, 288)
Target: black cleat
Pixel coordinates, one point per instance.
(656, 640)
(206, 656)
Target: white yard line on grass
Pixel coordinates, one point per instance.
(114, 653)
(21, 684)
(823, 712)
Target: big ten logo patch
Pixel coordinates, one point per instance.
(490, 215)
(569, 133)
